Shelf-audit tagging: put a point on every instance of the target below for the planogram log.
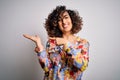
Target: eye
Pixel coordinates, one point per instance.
(66, 17)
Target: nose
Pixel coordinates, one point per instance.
(63, 21)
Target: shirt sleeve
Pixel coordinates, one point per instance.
(85, 55)
(44, 58)
(80, 54)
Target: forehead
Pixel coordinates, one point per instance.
(64, 14)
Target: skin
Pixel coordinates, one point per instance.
(65, 25)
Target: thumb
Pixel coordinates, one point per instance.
(51, 38)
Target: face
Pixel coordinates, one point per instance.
(65, 23)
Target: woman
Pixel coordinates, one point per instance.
(66, 55)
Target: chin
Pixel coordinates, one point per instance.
(67, 31)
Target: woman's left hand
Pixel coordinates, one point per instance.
(59, 41)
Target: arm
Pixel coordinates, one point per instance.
(41, 52)
(44, 61)
(46, 58)
(80, 54)
(44, 54)
(85, 55)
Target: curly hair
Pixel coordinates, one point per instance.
(51, 23)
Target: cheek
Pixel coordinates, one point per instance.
(71, 21)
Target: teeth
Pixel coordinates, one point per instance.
(65, 26)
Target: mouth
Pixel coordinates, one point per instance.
(65, 26)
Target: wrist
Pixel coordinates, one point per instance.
(39, 46)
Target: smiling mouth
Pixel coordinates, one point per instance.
(65, 26)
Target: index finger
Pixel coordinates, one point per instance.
(27, 36)
(51, 38)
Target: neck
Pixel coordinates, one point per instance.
(68, 36)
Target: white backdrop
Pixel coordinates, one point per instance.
(18, 60)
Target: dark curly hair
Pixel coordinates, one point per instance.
(52, 26)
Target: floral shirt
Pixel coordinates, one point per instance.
(61, 63)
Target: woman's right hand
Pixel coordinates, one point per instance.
(35, 39)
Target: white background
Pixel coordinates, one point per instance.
(101, 19)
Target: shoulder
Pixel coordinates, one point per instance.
(82, 40)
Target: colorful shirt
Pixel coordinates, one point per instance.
(67, 63)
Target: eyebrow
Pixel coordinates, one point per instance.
(64, 16)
